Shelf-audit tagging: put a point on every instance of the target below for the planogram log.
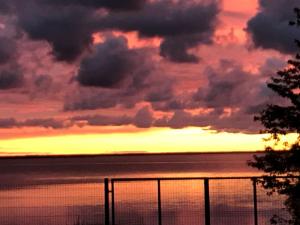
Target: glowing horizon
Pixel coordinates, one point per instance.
(160, 140)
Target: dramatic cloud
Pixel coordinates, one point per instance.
(113, 50)
(101, 120)
(143, 118)
(270, 28)
(108, 4)
(68, 25)
(176, 48)
(10, 79)
(45, 123)
(67, 29)
(180, 119)
(181, 25)
(7, 50)
(110, 65)
(228, 102)
(176, 102)
(229, 86)
(163, 92)
(218, 120)
(127, 94)
(81, 121)
(271, 66)
(4, 6)
(8, 123)
(95, 98)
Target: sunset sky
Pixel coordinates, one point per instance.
(121, 76)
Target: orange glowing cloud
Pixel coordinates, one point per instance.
(134, 41)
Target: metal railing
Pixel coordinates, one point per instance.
(110, 196)
(140, 201)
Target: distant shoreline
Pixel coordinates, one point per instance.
(123, 154)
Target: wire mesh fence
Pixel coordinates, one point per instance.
(231, 202)
(189, 201)
(54, 204)
(182, 202)
(138, 201)
(270, 205)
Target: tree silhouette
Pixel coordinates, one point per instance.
(279, 120)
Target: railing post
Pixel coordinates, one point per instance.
(254, 180)
(206, 201)
(106, 201)
(112, 203)
(159, 202)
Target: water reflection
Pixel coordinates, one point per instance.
(70, 191)
(136, 203)
(54, 204)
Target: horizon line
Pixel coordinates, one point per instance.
(123, 154)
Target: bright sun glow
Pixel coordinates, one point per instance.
(152, 141)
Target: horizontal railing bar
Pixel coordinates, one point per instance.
(197, 178)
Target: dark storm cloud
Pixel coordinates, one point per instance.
(130, 91)
(270, 28)
(46, 123)
(272, 65)
(5, 6)
(8, 123)
(174, 104)
(111, 64)
(236, 122)
(181, 25)
(220, 120)
(163, 92)
(67, 29)
(7, 50)
(176, 48)
(229, 86)
(10, 79)
(184, 101)
(143, 118)
(165, 19)
(108, 4)
(101, 120)
(68, 25)
(180, 119)
(228, 102)
(255, 109)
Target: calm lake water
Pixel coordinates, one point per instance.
(69, 191)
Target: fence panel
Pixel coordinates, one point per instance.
(136, 203)
(231, 202)
(182, 202)
(54, 204)
(270, 205)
